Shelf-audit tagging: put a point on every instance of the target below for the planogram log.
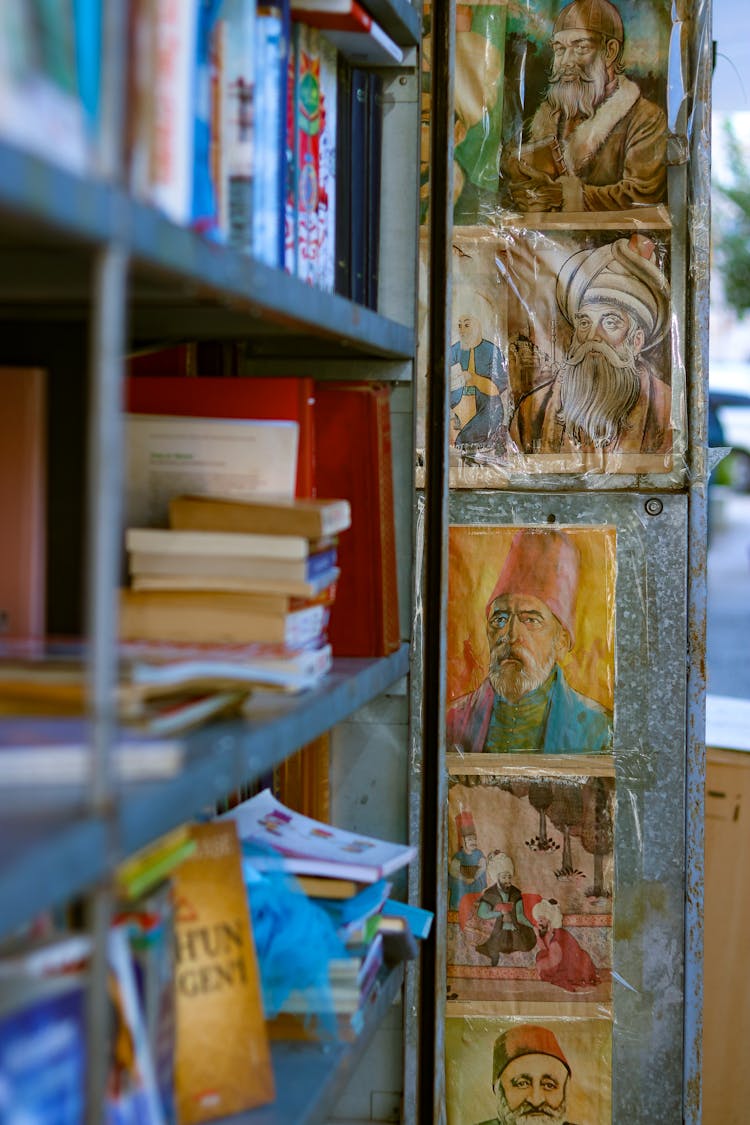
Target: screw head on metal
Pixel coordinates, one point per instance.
(654, 506)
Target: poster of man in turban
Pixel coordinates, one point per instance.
(608, 398)
(585, 126)
(538, 928)
(511, 1070)
(530, 660)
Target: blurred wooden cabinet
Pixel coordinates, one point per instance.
(726, 1014)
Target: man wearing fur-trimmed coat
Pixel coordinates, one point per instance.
(595, 143)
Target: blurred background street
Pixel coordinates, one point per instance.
(728, 639)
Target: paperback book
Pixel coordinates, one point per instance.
(277, 838)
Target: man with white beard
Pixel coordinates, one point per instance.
(530, 1078)
(606, 394)
(526, 703)
(595, 143)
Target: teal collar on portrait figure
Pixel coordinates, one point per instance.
(521, 725)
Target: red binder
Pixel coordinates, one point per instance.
(282, 399)
(353, 461)
(23, 501)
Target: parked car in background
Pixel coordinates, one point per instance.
(729, 422)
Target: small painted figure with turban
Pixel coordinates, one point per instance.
(467, 868)
(595, 143)
(606, 395)
(525, 703)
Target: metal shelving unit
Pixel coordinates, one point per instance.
(79, 251)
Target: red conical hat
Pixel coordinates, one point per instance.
(542, 564)
(526, 1040)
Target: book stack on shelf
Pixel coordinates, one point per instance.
(234, 572)
(345, 875)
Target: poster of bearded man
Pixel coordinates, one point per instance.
(510, 1071)
(530, 639)
(584, 107)
(610, 398)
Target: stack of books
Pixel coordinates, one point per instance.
(347, 875)
(227, 572)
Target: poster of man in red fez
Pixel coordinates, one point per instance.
(530, 640)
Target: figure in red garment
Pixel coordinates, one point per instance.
(560, 959)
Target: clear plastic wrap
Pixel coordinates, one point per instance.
(568, 310)
(564, 863)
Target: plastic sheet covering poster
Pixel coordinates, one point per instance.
(478, 109)
(559, 108)
(584, 114)
(530, 883)
(563, 357)
(511, 1070)
(530, 647)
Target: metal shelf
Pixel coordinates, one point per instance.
(52, 847)
(310, 1077)
(181, 284)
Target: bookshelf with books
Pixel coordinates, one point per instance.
(99, 270)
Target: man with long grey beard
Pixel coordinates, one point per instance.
(606, 395)
(595, 143)
(526, 703)
(530, 1078)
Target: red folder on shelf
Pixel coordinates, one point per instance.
(229, 397)
(353, 461)
(23, 503)
(351, 29)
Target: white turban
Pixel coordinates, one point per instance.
(617, 274)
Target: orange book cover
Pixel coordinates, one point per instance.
(222, 1057)
(23, 504)
(353, 461)
(284, 399)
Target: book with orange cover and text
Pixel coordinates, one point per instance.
(223, 1063)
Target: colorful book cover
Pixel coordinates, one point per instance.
(173, 136)
(308, 133)
(325, 238)
(240, 121)
(222, 1064)
(291, 188)
(272, 41)
(43, 1051)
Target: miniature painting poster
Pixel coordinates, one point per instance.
(530, 876)
(585, 106)
(530, 639)
(503, 1071)
(561, 354)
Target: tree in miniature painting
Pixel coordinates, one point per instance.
(608, 392)
(524, 699)
(507, 1071)
(541, 928)
(594, 141)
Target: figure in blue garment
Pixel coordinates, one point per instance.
(467, 868)
(479, 395)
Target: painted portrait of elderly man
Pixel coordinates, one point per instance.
(507, 1071)
(608, 391)
(594, 136)
(530, 657)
